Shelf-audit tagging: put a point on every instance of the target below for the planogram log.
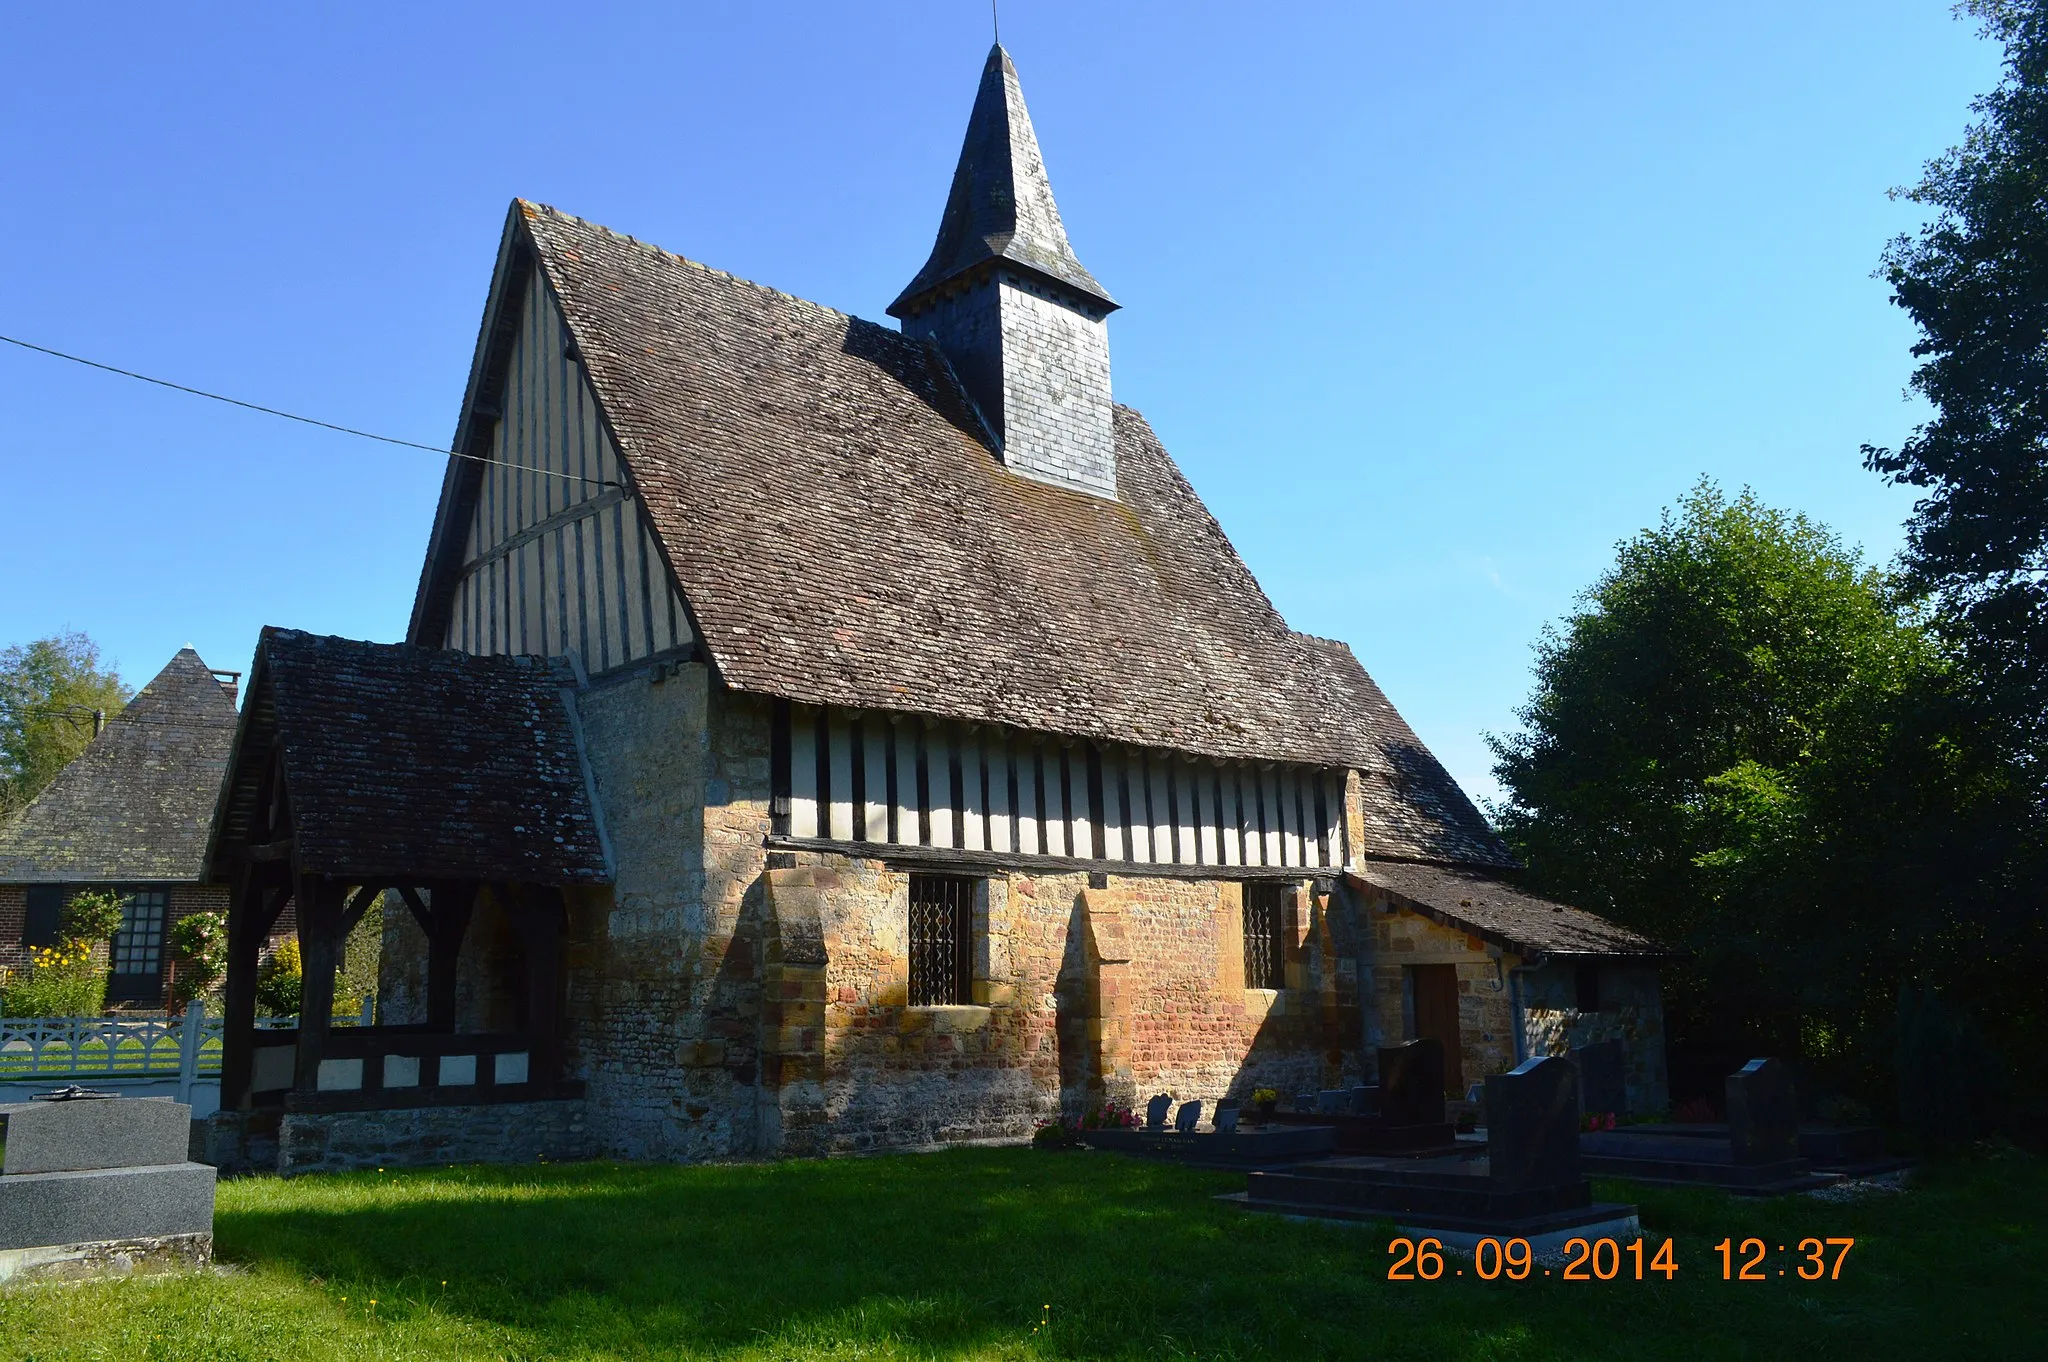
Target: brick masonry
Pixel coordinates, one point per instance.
(723, 1000)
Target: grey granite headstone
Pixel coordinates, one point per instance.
(64, 1137)
(1156, 1110)
(1224, 1122)
(39, 1210)
(1603, 1077)
(1763, 1112)
(1331, 1101)
(1532, 1126)
(1304, 1102)
(1188, 1117)
(1412, 1083)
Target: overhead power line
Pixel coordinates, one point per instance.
(304, 420)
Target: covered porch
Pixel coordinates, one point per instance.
(449, 787)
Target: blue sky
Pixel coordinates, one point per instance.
(1433, 304)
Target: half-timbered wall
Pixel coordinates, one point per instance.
(859, 776)
(558, 555)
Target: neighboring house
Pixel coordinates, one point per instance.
(901, 752)
(130, 814)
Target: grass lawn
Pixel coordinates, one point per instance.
(1013, 1253)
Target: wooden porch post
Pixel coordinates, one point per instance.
(238, 1021)
(541, 919)
(319, 954)
(453, 902)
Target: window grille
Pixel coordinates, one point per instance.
(136, 956)
(941, 940)
(1265, 922)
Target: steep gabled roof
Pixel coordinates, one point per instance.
(1001, 206)
(420, 763)
(136, 804)
(842, 534)
(1493, 910)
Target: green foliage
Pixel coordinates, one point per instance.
(60, 981)
(1746, 745)
(90, 917)
(48, 692)
(1971, 280)
(280, 980)
(199, 941)
(356, 977)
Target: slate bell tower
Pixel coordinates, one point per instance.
(1004, 298)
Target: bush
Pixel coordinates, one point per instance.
(60, 981)
(1055, 1134)
(280, 981)
(200, 943)
(90, 918)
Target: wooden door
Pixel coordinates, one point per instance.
(1436, 1018)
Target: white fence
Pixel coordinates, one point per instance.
(185, 1047)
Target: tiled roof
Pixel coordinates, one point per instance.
(136, 804)
(844, 536)
(420, 762)
(1474, 902)
(1001, 206)
(1413, 809)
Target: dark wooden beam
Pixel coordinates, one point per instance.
(319, 901)
(280, 850)
(420, 912)
(247, 924)
(453, 902)
(540, 918)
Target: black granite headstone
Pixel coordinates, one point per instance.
(1224, 1121)
(1763, 1112)
(1331, 1101)
(1532, 1126)
(1156, 1111)
(1412, 1084)
(1188, 1117)
(1603, 1077)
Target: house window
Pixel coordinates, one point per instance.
(1586, 983)
(136, 957)
(941, 940)
(45, 915)
(1265, 940)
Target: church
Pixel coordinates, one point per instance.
(814, 735)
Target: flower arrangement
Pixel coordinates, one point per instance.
(1055, 1134)
(1108, 1117)
(1695, 1111)
(1598, 1120)
(1264, 1096)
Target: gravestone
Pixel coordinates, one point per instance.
(1332, 1101)
(1224, 1122)
(1763, 1112)
(1532, 1126)
(1304, 1102)
(1188, 1117)
(1412, 1084)
(1156, 1110)
(1365, 1101)
(97, 1183)
(1603, 1077)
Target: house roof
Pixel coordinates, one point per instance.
(1413, 809)
(1493, 910)
(135, 805)
(1001, 206)
(407, 762)
(843, 535)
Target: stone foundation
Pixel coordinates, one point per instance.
(107, 1258)
(416, 1137)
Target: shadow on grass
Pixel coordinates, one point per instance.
(962, 1254)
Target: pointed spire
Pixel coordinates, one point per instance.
(1001, 205)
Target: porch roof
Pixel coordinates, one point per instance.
(1487, 907)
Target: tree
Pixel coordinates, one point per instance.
(1745, 743)
(49, 691)
(1975, 282)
